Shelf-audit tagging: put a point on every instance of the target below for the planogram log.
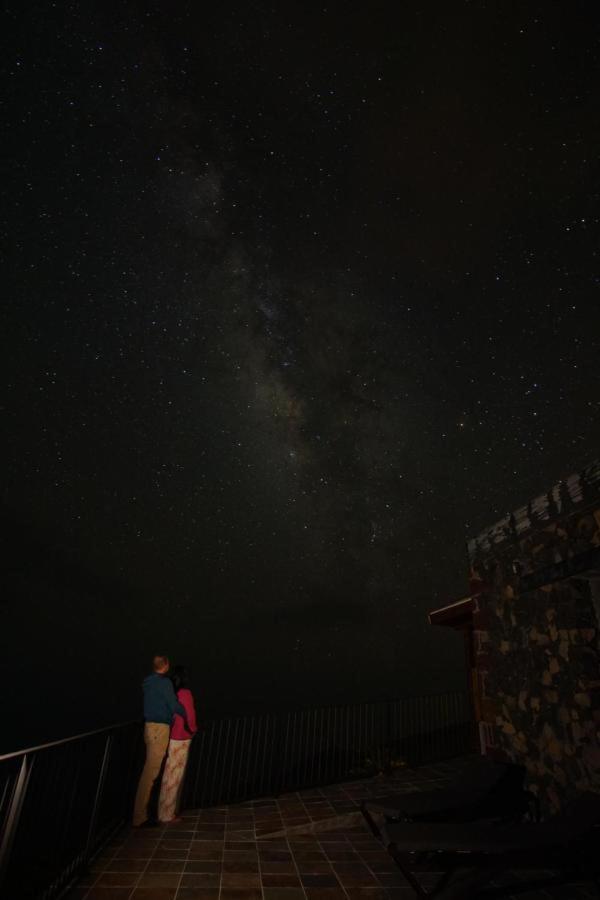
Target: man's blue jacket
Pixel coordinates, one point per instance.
(160, 702)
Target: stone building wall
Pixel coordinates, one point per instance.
(536, 579)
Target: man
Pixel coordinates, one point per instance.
(160, 705)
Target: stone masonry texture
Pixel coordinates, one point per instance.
(536, 579)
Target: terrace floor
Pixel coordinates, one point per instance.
(311, 845)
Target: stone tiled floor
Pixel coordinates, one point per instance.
(307, 846)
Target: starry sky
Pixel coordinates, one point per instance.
(297, 300)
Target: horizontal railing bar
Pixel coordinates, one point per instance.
(239, 715)
(281, 712)
(351, 705)
(76, 737)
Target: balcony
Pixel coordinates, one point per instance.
(271, 807)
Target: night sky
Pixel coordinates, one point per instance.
(297, 299)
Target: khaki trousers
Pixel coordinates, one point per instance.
(156, 737)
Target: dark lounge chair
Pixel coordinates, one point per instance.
(483, 789)
(566, 844)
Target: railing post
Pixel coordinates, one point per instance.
(387, 736)
(98, 798)
(14, 813)
(276, 778)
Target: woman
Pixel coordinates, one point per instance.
(182, 732)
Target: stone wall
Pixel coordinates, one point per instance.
(536, 575)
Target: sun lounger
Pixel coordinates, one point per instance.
(566, 844)
(483, 789)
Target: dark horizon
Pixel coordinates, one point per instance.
(299, 301)
(67, 683)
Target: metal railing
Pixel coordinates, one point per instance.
(235, 759)
(60, 803)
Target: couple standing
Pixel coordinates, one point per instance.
(170, 724)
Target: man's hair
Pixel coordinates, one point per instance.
(159, 661)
